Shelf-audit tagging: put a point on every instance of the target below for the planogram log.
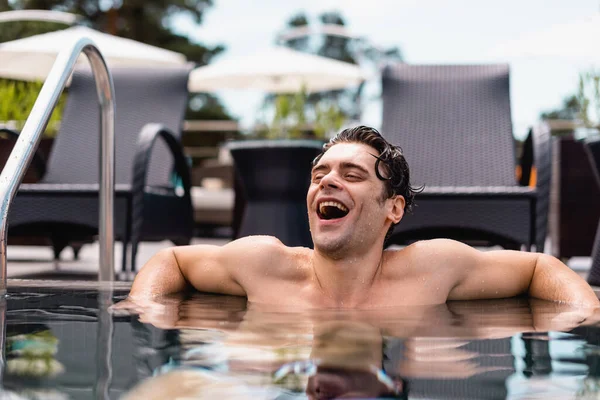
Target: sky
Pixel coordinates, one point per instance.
(427, 32)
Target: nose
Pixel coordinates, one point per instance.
(330, 181)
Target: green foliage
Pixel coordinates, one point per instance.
(32, 355)
(17, 99)
(336, 47)
(286, 123)
(584, 106)
(206, 106)
(18, 29)
(588, 95)
(297, 118)
(298, 20)
(570, 110)
(289, 118)
(328, 119)
(144, 21)
(337, 104)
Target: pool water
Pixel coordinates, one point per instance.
(63, 344)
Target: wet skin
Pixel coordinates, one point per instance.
(348, 267)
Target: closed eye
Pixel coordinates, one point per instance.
(353, 177)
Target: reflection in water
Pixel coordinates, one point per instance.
(537, 355)
(590, 387)
(347, 360)
(104, 346)
(31, 352)
(28, 351)
(219, 347)
(455, 350)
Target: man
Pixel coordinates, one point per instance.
(360, 188)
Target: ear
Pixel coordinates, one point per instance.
(397, 209)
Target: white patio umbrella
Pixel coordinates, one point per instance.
(576, 40)
(31, 58)
(276, 70)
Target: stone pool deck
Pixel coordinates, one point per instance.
(35, 262)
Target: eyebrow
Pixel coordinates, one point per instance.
(350, 165)
(343, 165)
(318, 167)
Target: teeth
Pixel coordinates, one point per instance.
(332, 204)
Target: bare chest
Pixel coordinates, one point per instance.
(405, 292)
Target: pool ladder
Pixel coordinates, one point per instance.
(30, 136)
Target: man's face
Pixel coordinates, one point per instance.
(347, 212)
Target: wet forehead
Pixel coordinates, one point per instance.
(355, 153)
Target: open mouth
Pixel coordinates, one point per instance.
(331, 210)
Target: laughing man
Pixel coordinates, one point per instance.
(359, 190)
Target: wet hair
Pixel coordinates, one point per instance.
(396, 174)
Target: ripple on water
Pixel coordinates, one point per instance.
(208, 346)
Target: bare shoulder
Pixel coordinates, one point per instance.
(267, 254)
(259, 246)
(438, 248)
(426, 256)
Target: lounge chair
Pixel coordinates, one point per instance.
(574, 218)
(593, 151)
(149, 205)
(454, 125)
(274, 176)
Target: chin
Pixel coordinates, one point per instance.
(331, 247)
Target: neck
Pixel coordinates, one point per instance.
(346, 282)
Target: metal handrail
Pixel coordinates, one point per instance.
(30, 137)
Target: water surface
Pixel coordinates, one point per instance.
(68, 345)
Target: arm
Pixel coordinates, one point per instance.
(503, 273)
(206, 268)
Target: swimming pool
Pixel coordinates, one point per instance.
(65, 344)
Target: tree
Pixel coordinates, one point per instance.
(140, 20)
(17, 99)
(333, 46)
(570, 110)
(335, 105)
(207, 106)
(15, 30)
(301, 43)
(584, 106)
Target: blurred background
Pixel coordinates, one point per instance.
(531, 36)
(550, 46)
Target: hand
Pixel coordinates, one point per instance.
(506, 317)
(552, 316)
(201, 311)
(162, 313)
